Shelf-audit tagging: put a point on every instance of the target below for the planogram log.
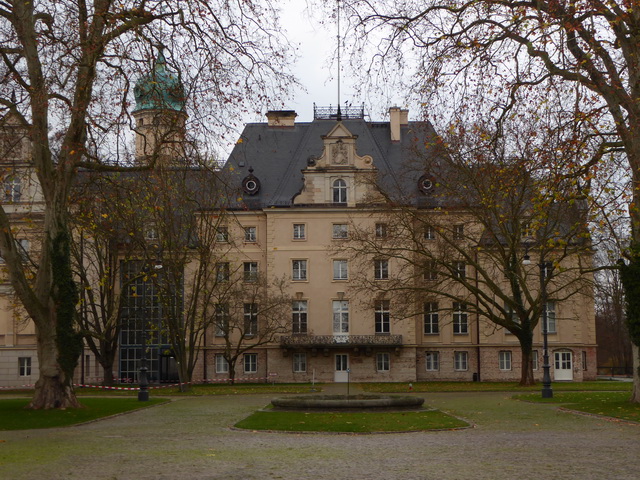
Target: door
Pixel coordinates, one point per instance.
(563, 366)
(341, 374)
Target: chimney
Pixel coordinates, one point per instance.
(397, 118)
(281, 118)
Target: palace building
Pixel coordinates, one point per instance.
(299, 197)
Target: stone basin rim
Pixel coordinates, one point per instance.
(348, 401)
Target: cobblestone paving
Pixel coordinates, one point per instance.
(191, 439)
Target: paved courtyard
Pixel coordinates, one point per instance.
(191, 439)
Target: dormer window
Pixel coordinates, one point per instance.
(339, 191)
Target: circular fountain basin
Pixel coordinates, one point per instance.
(332, 402)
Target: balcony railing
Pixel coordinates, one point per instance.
(331, 112)
(324, 341)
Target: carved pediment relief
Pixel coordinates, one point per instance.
(340, 152)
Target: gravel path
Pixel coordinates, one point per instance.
(191, 438)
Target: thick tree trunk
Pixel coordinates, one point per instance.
(53, 388)
(526, 368)
(107, 374)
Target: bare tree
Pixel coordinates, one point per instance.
(252, 311)
(491, 56)
(459, 247)
(65, 72)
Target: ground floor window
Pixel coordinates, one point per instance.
(222, 366)
(584, 360)
(534, 359)
(432, 361)
(461, 360)
(24, 366)
(299, 362)
(250, 363)
(383, 362)
(504, 360)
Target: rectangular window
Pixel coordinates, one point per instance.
(584, 360)
(222, 234)
(431, 326)
(458, 232)
(460, 320)
(340, 317)
(381, 230)
(432, 361)
(382, 316)
(431, 271)
(250, 362)
(504, 360)
(299, 270)
(250, 318)
(460, 361)
(222, 319)
(299, 316)
(383, 362)
(534, 359)
(299, 362)
(381, 269)
(459, 269)
(299, 231)
(222, 272)
(24, 366)
(250, 271)
(222, 366)
(429, 233)
(340, 230)
(551, 317)
(340, 270)
(250, 234)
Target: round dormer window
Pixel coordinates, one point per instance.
(425, 184)
(251, 184)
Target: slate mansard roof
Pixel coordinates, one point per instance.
(276, 156)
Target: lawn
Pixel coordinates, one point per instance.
(610, 404)
(600, 385)
(14, 415)
(350, 422)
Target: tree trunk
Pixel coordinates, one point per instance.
(107, 374)
(54, 389)
(635, 393)
(526, 369)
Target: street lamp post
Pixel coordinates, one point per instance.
(143, 380)
(545, 270)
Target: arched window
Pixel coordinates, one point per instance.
(339, 191)
(12, 189)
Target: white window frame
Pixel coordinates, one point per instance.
(458, 232)
(340, 231)
(431, 319)
(222, 365)
(299, 311)
(381, 230)
(299, 363)
(250, 316)
(24, 366)
(340, 269)
(250, 234)
(432, 361)
(382, 317)
(221, 319)
(534, 359)
(299, 231)
(250, 271)
(429, 232)
(383, 362)
(460, 319)
(339, 191)
(504, 360)
(340, 317)
(250, 363)
(461, 361)
(381, 269)
(299, 270)
(12, 189)
(459, 269)
(223, 272)
(222, 234)
(552, 324)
